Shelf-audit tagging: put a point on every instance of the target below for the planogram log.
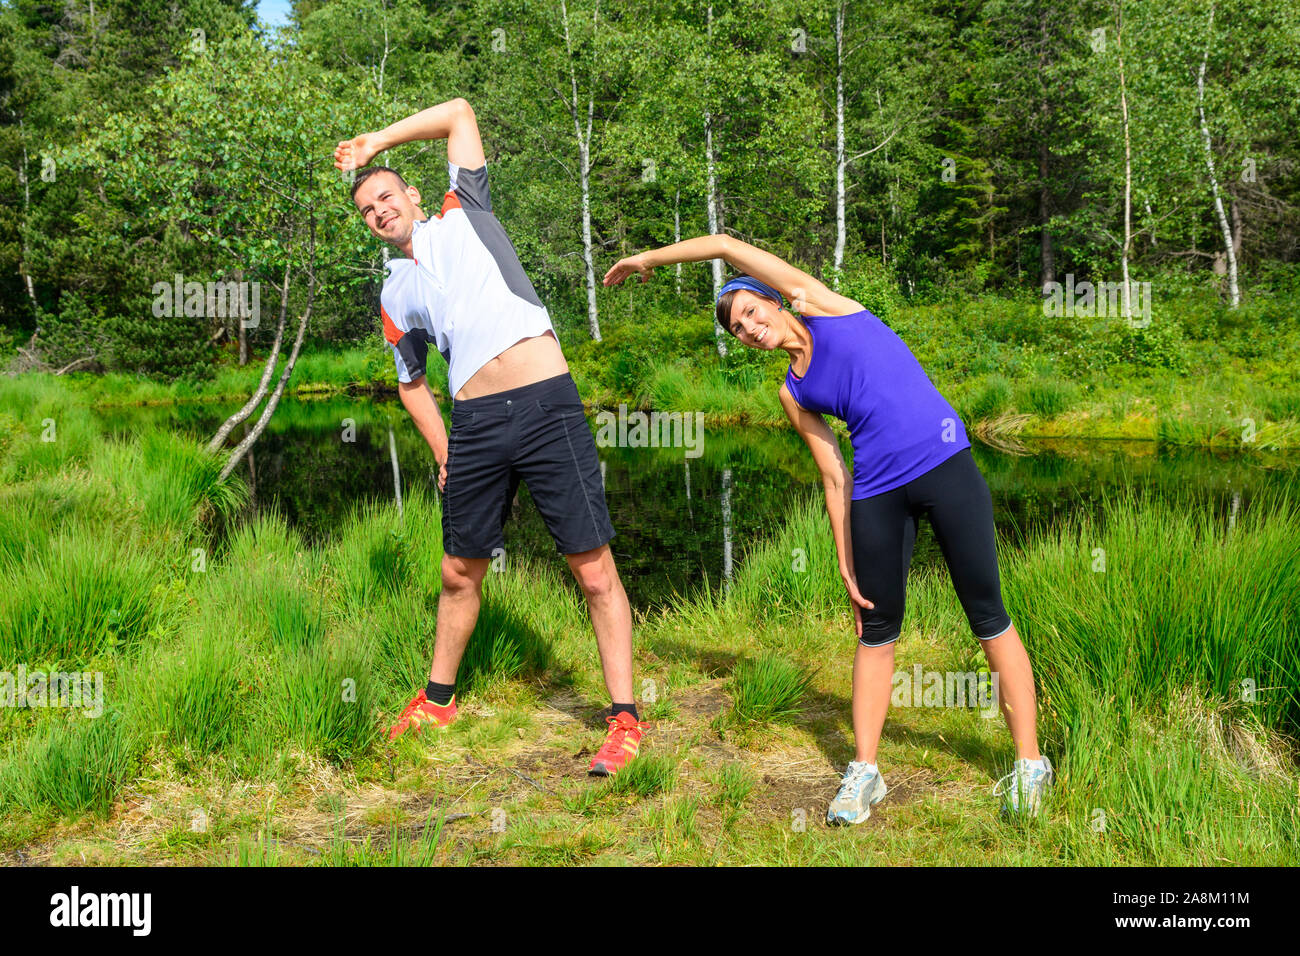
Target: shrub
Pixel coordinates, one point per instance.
(987, 399)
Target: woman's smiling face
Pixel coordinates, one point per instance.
(755, 320)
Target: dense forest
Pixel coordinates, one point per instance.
(937, 151)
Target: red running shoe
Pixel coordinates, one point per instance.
(620, 746)
(421, 711)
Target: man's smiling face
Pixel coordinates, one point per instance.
(390, 211)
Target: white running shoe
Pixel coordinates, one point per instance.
(1023, 787)
(859, 791)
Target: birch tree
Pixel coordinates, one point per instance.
(267, 199)
(1234, 296)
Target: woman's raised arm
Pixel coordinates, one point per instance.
(805, 293)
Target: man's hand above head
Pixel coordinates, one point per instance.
(453, 121)
(356, 152)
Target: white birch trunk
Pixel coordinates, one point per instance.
(726, 530)
(677, 235)
(219, 438)
(714, 226)
(397, 474)
(840, 162)
(584, 167)
(1128, 171)
(273, 402)
(27, 202)
(1209, 164)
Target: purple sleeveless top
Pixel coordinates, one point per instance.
(862, 373)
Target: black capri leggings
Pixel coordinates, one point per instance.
(955, 497)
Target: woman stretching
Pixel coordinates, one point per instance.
(911, 457)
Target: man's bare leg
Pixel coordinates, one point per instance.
(462, 594)
(611, 617)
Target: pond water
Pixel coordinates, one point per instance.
(683, 520)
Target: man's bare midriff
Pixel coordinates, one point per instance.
(527, 361)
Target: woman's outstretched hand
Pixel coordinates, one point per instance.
(857, 601)
(625, 267)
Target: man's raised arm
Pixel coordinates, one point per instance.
(453, 121)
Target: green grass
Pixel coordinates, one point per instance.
(324, 699)
(82, 597)
(401, 850)
(193, 695)
(768, 687)
(70, 766)
(1166, 572)
(989, 398)
(1046, 396)
(259, 686)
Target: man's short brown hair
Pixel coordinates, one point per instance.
(364, 174)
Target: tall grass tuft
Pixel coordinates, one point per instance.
(1046, 396)
(324, 698)
(987, 398)
(671, 385)
(193, 695)
(83, 596)
(295, 616)
(32, 510)
(47, 429)
(371, 557)
(70, 766)
(646, 776)
(796, 572)
(1159, 595)
(768, 687)
(180, 482)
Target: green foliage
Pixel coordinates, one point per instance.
(1047, 397)
(1114, 342)
(989, 398)
(874, 285)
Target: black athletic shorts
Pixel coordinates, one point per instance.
(537, 433)
(955, 497)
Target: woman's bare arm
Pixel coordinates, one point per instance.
(806, 294)
(838, 486)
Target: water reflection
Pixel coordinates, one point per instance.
(682, 522)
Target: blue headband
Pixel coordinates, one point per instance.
(753, 285)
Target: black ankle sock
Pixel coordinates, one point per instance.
(616, 709)
(440, 694)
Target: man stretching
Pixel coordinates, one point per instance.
(516, 412)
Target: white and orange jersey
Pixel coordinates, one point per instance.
(465, 291)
